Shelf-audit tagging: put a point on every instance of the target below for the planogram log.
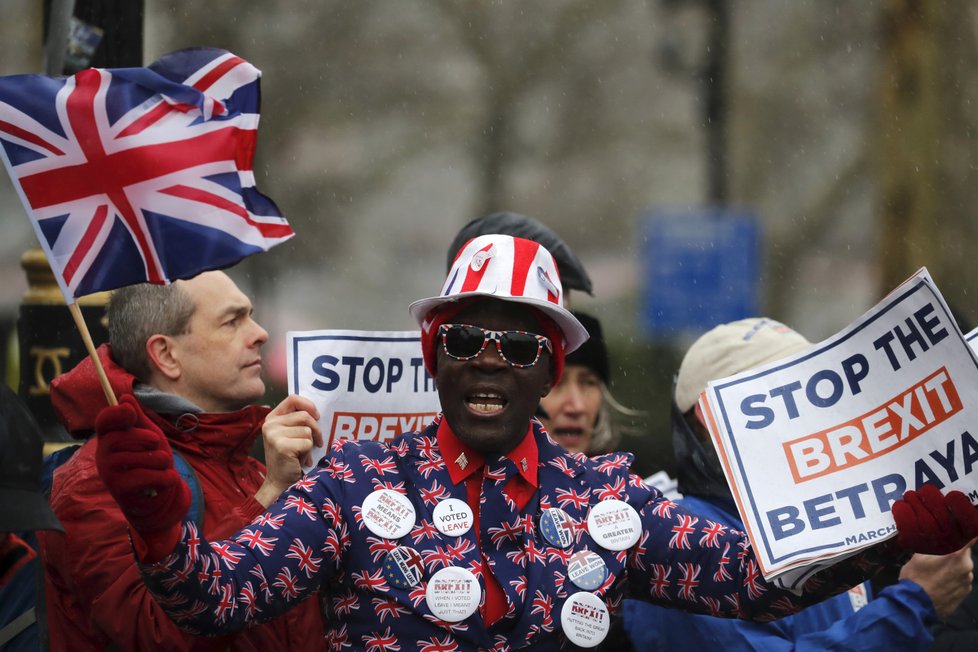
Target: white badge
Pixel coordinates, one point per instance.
(453, 594)
(585, 619)
(387, 513)
(453, 517)
(858, 597)
(614, 525)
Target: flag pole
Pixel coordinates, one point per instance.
(90, 347)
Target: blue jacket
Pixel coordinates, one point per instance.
(898, 619)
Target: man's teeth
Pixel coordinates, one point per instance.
(486, 402)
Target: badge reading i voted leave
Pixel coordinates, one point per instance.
(614, 525)
(387, 513)
(557, 527)
(586, 570)
(453, 517)
(403, 567)
(585, 619)
(453, 594)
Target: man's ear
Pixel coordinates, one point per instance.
(549, 385)
(163, 357)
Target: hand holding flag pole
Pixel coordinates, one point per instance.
(133, 175)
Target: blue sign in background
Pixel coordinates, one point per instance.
(701, 268)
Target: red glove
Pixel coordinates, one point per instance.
(135, 462)
(932, 523)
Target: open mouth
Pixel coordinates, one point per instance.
(486, 403)
(568, 433)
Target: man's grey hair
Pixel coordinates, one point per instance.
(136, 313)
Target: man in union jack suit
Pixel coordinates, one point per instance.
(478, 533)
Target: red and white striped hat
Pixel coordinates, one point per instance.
(510, 269)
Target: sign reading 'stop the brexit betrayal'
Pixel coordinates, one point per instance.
(368, 385)
(817, 446)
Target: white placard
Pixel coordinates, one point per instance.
(369, 385)
(972, 339)
(817, 446)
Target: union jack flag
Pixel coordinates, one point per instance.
(132, 175)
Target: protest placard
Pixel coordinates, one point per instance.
(368, 385)
(972, 339)
(817, 446)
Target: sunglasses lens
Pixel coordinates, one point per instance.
(520, 348)
(463, 341)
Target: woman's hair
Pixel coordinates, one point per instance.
(593, 355)
(606, 436)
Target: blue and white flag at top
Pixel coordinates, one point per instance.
(134, 175)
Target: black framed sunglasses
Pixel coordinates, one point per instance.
(518, 348)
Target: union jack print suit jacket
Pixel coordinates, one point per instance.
(313, 538)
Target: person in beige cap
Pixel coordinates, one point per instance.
(899, 618)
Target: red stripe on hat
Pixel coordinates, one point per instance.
(524, 253)
(473, 277)
(458, 253)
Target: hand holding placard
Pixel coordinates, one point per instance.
(933, 523)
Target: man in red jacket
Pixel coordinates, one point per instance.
(190, 353)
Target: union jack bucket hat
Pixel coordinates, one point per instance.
(510, 269)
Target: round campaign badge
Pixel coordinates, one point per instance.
(614, 525)
(403, 567)
(585, 619)
(387, 513)
(453, 594)
(453, 517)
(557, 527)
(586, 570)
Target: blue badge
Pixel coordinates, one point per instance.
(403, 567)
(557, 527)
(586, 570)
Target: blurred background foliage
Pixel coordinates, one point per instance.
(847, 127)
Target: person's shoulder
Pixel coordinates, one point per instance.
(74, 469)
(608, 465)
(77, 490)
(354, 448)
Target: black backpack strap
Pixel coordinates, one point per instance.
(196, 513)
(16, 626)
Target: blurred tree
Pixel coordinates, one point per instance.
(911, 122)
(514, 66)
(927, 134)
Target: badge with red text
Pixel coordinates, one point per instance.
(453, 594)
(614, 525)
(453, 517)
(585, 619)
(403, 567)
(586, 570)
(387, 513)
(557, 527)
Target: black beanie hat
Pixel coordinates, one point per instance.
(592, 354)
